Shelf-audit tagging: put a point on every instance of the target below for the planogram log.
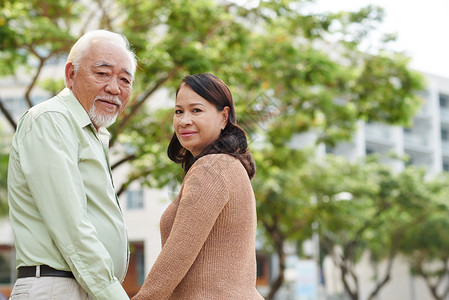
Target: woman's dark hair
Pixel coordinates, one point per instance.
(232, 139)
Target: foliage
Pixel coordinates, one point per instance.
(52, 85)
(4, 158)
(364, 207)
(4, 155)
(290, 70)
(173, 38)
(284, 206)
(425, 244)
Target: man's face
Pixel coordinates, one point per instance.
(103, 82)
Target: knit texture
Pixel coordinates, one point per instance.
(208, 237)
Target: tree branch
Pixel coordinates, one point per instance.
(344, 272)
(136, 107)
(123, 160)
(387, 276)
(105, 19)
(278, 239)
(7, 115)
(42, 61)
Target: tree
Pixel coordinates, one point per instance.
(284, 207)
(290, 70)
(175, 38)
(381, 208)
(425, 245)
(4, 155)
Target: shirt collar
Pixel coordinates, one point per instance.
(75, 107)
(78, 111)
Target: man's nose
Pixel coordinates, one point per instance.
(113, 87)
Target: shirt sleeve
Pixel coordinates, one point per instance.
(49, 160)
(201, 203)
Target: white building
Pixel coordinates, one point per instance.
(426, 142)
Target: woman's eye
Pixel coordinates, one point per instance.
(197, 110)
(177, 112)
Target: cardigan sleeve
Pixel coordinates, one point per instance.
(204, 196)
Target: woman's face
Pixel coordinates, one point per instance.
(196, 121)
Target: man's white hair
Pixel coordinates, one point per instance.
(81, 47)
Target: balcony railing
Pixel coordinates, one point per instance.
(378, 132)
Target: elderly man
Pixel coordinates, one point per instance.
(70, 237)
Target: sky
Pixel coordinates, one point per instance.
(422, 27)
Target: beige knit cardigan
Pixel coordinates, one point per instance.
(208, 237)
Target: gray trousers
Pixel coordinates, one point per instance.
(48, 288)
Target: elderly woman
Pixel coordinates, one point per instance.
(208, 231)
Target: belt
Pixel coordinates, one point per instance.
(42, 271)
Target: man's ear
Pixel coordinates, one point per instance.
(69, 74)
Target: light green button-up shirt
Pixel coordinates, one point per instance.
(64, 211)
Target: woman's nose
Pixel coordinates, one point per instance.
(185, 120)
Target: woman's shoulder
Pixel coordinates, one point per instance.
(217, 160)
(219, 164)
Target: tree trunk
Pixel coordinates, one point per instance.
(387, 275)
(440, 279)
(7, 115)
(353, 294)
(279, 244)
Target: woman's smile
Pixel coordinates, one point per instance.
(187, 133)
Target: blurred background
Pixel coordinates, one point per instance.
(346, 108)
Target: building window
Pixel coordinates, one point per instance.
(134, 199)
(444, 134)
(140, 261)
(444, 100)
(136, 270)
(369, 151)
(6, 262)
(410, 161)
(446, 166)
(263, 267)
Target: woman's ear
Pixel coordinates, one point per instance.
(225, 116)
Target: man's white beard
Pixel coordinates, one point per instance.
(101, 120)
